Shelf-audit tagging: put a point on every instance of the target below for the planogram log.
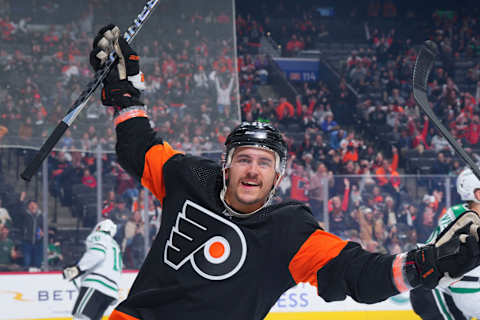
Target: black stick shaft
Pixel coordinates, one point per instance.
(423, 66)
(36, 162)
(82, 100)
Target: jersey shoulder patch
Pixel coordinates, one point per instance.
(98, 240)
(459, 209)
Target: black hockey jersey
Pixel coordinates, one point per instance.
(205, 264)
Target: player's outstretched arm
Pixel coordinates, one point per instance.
(372, 277)
(140, 152)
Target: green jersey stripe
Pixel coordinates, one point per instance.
(464, 290)
(102, 283)
(443, 306)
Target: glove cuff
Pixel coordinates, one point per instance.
(402, 273)
(128, 113)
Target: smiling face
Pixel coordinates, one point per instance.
(251, 177)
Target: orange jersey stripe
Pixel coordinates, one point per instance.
(118, 315)
(152, 177)
(129, 114)
(315, 252)
(398, 274)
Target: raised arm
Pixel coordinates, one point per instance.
(140, 152)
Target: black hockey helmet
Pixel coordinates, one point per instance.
(257, 134)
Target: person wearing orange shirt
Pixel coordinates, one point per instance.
(387, 176)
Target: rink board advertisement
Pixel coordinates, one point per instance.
(48, 296)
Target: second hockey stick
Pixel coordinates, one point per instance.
(82, 100)
(423, 66)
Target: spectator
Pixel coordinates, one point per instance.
(380, 235)
(425, 223)
(8, 254)
(133, 240)
(120, 214)
(132, 226)
(58, 165)
(340, 220)
(32, 244)
(365, 220)
(387, 175)
(108, 204)
(441, 166)
(300, 183)
(88, 179)
(472, 134)
(439, 143)
(285, 109)
(223, 96)
(336, 137)
(5, 218)
(294, 45)
(320, 181)
(329, 125)
(138, 203)
(200, 78)
(412, 241)
(390, 210)
(54, 251)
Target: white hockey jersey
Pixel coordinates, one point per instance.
(102, 264)
(465, 292)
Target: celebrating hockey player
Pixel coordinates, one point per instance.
(99, 270)
(458, 299)
(223, 251)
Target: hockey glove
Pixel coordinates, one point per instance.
(72, 273)
(121, 88)
(429, 264)
(470, 218)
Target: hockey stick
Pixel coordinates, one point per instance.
(423, 66)
(75, 284)
(82, 100)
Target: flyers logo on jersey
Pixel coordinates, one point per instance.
(214, 246)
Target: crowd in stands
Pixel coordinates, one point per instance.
(353, 176)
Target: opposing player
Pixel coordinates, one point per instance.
(459, 299)
(99, 270)
(222, 249)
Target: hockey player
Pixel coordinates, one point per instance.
(459, 300)
(222, 250)
(99, 270)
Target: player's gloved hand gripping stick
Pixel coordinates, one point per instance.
(450, 257)
(107, 60)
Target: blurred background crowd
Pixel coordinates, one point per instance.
(369, 163)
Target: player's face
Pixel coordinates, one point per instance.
(250, 178)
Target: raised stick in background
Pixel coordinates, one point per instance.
(423, 66)
(82, 100)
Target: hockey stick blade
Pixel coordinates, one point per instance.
(82, 100)
(423, 66)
